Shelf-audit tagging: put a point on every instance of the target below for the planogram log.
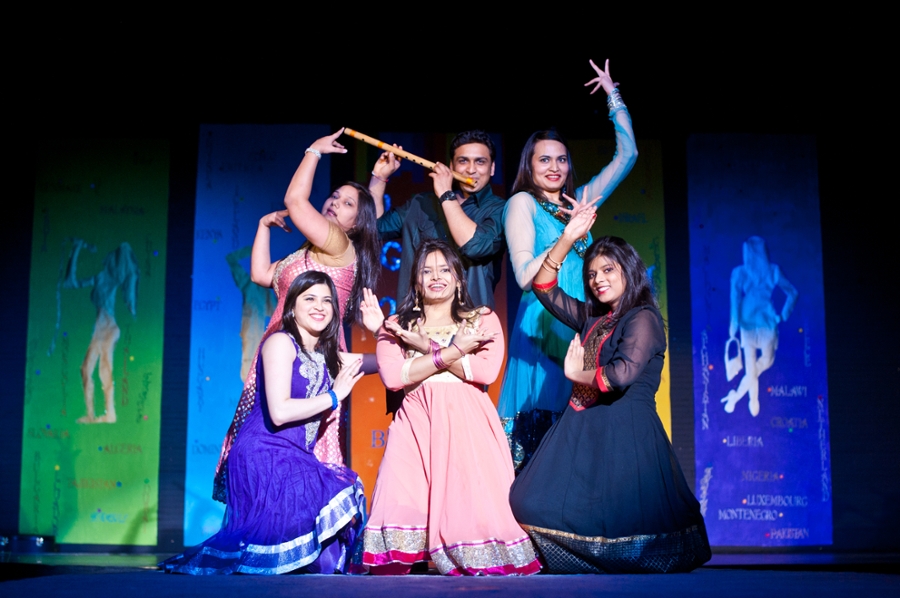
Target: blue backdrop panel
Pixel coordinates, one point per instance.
(242, 174)
(758, 317)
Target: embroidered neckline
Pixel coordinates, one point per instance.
(312, 367)
(581, 244)
(470, 319)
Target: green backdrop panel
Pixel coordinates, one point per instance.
(90, 448)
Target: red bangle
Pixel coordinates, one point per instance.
(544, 287)
(602, 380)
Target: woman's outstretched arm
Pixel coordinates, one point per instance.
(304, 215)
(605, 182)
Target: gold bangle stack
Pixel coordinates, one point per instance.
(552, 264)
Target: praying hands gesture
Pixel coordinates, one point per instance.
(573, 366)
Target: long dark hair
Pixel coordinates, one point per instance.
(328, 340)
(364, 236)
(405, 312)
(637, 285)
(366, 242)
(525, 177)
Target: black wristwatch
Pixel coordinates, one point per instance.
(448, 195)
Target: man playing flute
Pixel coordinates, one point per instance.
(468, 216)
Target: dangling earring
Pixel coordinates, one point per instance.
(416, 304)
(459, 293)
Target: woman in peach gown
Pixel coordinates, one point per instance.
(442, 492)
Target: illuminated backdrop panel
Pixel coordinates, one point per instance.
(90, 448)
(758, 317)
(242, 174)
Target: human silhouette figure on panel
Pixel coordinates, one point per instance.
(119, 269)
(753, 312)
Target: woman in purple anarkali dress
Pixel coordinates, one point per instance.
(286, 510)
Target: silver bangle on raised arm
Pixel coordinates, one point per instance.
(614, 101)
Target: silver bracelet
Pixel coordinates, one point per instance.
(318, 154)
(614, 101)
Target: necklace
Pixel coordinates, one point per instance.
(553, 209)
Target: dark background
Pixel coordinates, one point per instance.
(161, 76)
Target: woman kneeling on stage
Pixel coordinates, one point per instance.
(604, 492)
(442, 492)
(286, 510)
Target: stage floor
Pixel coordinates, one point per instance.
(734, 575)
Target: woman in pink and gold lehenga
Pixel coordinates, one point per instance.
(442, 492)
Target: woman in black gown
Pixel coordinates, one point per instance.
(604, 492)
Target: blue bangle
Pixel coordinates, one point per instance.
(334, 401)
